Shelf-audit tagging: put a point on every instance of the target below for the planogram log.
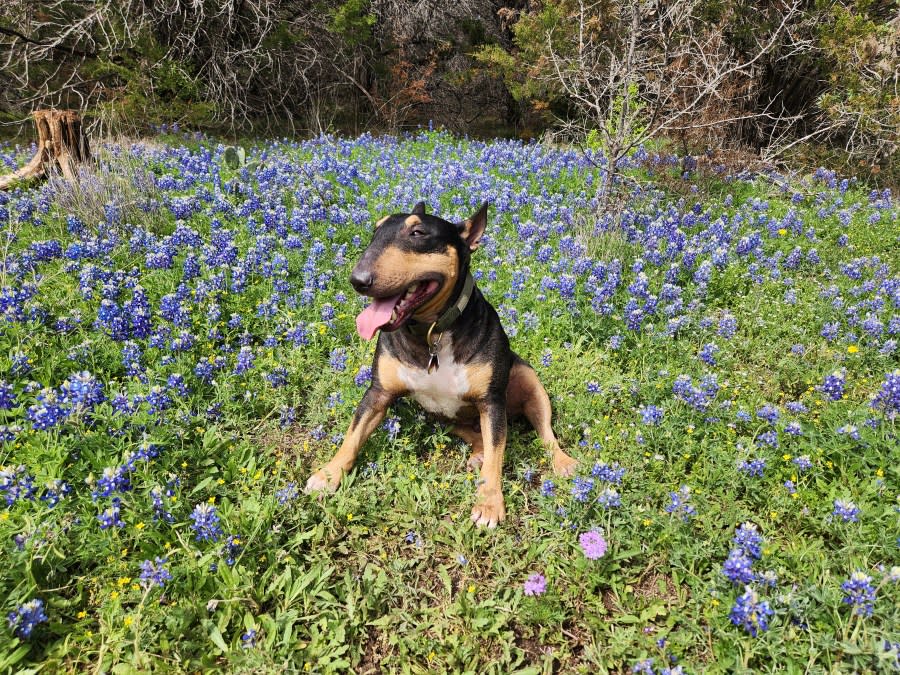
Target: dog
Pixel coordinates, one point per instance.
(442, 343)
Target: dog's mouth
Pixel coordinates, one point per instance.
(390, 312)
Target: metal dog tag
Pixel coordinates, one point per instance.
(433, 363)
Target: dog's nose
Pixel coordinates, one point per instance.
(361, 280)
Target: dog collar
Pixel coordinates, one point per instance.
(452, 313)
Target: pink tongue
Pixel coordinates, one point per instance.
(375, 316)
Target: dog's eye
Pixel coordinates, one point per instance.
(417, 233)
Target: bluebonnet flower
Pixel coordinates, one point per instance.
(830, 331)
(767, 579)
(154, 572)
(244, 361)
(287, 494)
(833, 386)
(206, 523)
(49, 411)
(738, 567)
(7, 396)
(113, 479)
(593, 387)
(609, 473)
(888, 397)
(727, 326)
(708, 353)
(248, 639)
(793, 428)
(751, 613)
(110, 517)
(9, 432)
(278, 377)
(159, 511)
(679, 503)
(803, 463)
(846, 510)
(581, 488)
(363, 376)
(392, 426)
(16, 484)
(24, 619)
(752, 467)
(176, 382)
(54, 491)
(768, 413)
(650, 414)
(338, 360)
(748, 540)
(231, 549)
(644, 667)
(859, 593)
(158, 400)
(548, 489)
(609, 498)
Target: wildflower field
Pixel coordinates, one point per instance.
(179, 353)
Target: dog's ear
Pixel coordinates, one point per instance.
(419, 209)
(472, 229)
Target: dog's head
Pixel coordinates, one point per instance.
(412, 266)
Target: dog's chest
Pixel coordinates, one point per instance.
(442, 390)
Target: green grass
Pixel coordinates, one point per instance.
(388, 574)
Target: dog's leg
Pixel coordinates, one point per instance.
(527, 395)
(489, 508)
(473, 437)
(369, 413)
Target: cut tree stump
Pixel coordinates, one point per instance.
(61, 145)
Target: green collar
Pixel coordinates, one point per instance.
(452, 313)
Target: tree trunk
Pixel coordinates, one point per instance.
(61, 144)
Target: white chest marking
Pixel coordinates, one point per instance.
(441, 391)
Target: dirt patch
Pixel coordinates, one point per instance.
(655, 585)
(608, 598)
(292, 443)
(374, 653)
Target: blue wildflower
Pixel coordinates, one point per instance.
(154, 572)
(859, 593)
(751, 613)
(846, 510)
(24, 619)
(206, 523)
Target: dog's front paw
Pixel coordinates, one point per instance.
(563, 465)
(476, 459)
(323, 481)
(490, 509)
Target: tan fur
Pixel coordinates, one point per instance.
(526, 395)
(330, 475)
(388, 378)
(396, 269)
(431, 309)
(412, 220)
(479, 376)
(382, 222)
(489, 509)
